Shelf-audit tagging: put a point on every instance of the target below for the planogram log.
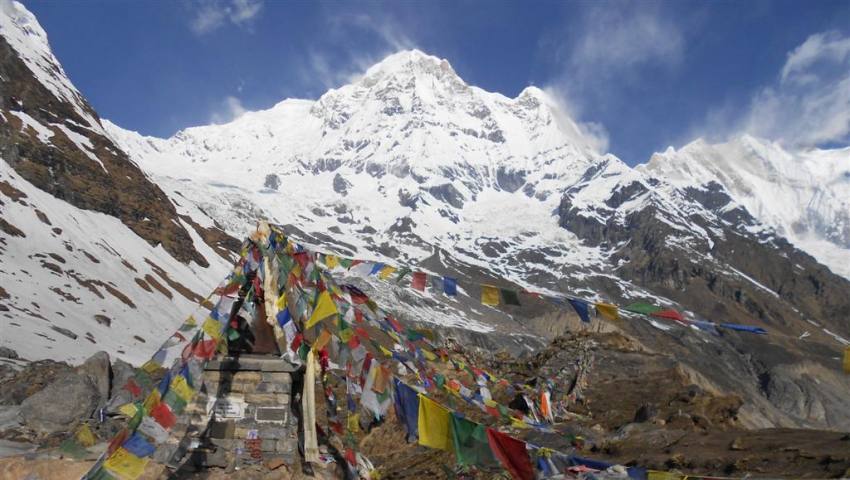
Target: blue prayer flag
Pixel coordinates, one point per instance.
(138, 446)
(283, 317)
(744, 328)
(580, 307)
(376, 267)
(407, 409)
(450, 286)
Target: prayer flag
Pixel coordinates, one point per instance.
(509, 297)
(642, 308)
(607, 310)
(402, 272)
(325, 307)
(125, 464)
(85, 436)
(376, 267)
(128, 409)
(489, 295)
(181, 387)
(407, 409)
(512, 453)
(138, 446)
(744, 328)
(212, 328)
(580, 306)
(149, 427)
(434, 424)
(669, 314)
(418, 281)
(450, 286)
(386, 272)
(470, 442)
(162, 414)
(323, 340)
(331, 261)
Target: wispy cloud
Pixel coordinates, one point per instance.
(806, 105)
(605, 49)
(210, 15)
(342, 61)
(228, 110)
(615, 41)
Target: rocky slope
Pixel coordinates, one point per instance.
(92, 254)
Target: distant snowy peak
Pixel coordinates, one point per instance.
(804, 196)
(19, 27)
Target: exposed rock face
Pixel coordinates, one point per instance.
(98, 370)
(62, 404)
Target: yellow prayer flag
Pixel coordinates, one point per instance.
(325, 307)
(346, 334)
(657, 475)
(181, 387)
(608, 311)
(323, 340)
(517, 423)
(354, 422)
(489, 295)
(128, 409)
(151, 366)
(847, 359)
(385, 351)
(191, 322)
(434, 425)
(152, 401)
(331, 261)
(85, 436)
(125, 464)
(386, 272)
(429, 355)
(212, 328)
(280, 303)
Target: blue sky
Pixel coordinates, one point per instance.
(640, 75)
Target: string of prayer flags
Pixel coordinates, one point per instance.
(471, 446)
(433, 425)
(607, 310)
(419, 280)
(450, 286)
(512, 454)
(489, 295)
(580, 306)
(325, 307)
(743, 328)
(510, 297)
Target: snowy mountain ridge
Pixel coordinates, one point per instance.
(804, 196)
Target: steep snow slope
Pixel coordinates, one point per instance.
(93, 256)
(803, 196)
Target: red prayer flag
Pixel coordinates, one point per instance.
(132, 387)
(669, 314)
(512, 454)
(163, 416)
(418, 281)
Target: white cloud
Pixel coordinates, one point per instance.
(615, 41)
(346, 62)
(210, 15)
(592, 134)
(807, 104)
(230, 109)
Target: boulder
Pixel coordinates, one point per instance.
(645, 413)
(121, 372)
(31, 379)
(62, 404)
(98, 370)
(7, 352)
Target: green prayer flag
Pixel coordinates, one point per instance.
(73, 449)
(302, 352)
(173, 400)
(510, 297)
(470, 443)
(440, 380)
(402, 272)
(642, 308)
